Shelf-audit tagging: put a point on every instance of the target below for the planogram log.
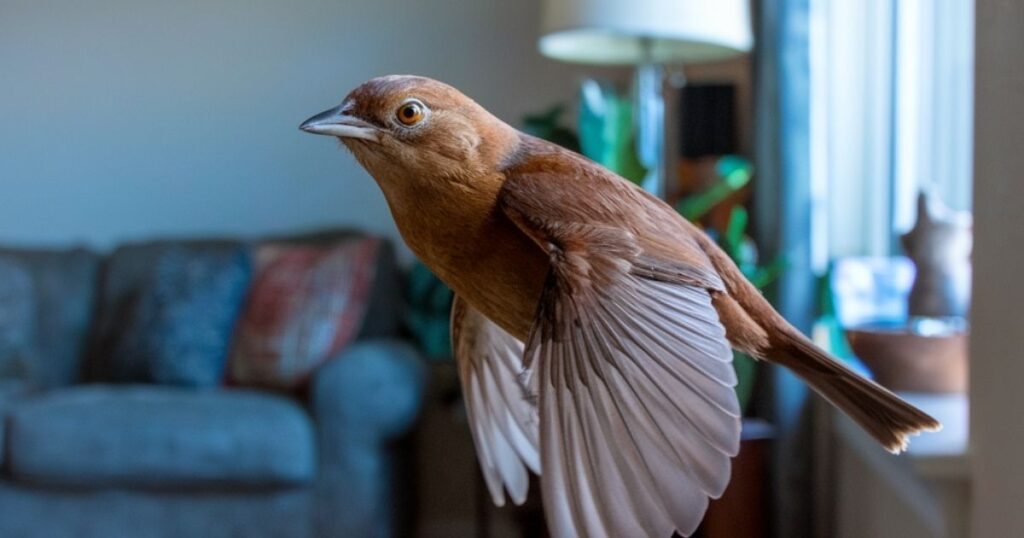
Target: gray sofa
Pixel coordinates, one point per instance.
(83, 456)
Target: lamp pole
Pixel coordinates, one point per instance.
(650, 120)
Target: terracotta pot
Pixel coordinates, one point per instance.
(904, 361)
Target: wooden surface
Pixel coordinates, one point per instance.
(452, 501)
(742, 512)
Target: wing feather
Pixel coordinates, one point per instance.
(502, 418)
(632, 369)
(620, 402)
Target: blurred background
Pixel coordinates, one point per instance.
(209, 325)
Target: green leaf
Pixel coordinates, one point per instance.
(734, 232)
(606, 131)
(548, 125)
(746, 375)
(733, 172)
(769, 273)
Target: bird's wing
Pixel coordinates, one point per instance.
(502, 418)
(638, 414)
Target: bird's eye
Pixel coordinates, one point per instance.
(411, 112)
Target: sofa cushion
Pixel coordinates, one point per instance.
(17, 319)
(133, 435)
(174, 328)
(11, 390)
(46, 305)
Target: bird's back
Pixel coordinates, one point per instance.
(498, 269)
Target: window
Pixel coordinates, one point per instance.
(891, 113)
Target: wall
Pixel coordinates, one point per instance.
(124, 120)
(997, 324)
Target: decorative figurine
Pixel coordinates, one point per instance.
(940, 246)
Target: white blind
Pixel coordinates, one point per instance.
(891, 106)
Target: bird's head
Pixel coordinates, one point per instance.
(405, 127)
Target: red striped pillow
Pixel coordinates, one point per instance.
(306, 304)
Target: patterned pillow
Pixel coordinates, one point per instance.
(177, 327)
(306, 303)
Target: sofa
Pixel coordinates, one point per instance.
(87, 454)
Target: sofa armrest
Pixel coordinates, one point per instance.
(361, 401)
(372, 392)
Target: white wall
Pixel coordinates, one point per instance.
(122, 119)
(997, 325)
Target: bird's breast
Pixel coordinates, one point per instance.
(483, 257)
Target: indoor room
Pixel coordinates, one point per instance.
(469, 268)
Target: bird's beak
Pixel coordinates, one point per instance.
(334, 122)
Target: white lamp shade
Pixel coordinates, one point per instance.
(630, 32)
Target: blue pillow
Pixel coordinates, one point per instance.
(178, 323)
(17, 319)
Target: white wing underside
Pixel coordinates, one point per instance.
(502, 418)
(639, 418)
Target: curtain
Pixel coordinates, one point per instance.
(891, 99)
(858, 105)
(782, 208)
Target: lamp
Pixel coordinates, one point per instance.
(646, 34)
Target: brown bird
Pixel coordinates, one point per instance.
(592, 324)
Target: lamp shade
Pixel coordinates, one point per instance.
(631, 32)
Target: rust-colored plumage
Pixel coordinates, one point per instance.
(592, 323)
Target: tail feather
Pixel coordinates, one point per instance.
(752, 325)
(884, 415)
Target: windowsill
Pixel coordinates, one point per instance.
(922, 492)
(940, 455)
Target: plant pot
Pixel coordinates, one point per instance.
(901, 360)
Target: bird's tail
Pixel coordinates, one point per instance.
(881, 413)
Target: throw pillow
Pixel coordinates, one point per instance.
(177, 327)
(306, 303)
(17, 319)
